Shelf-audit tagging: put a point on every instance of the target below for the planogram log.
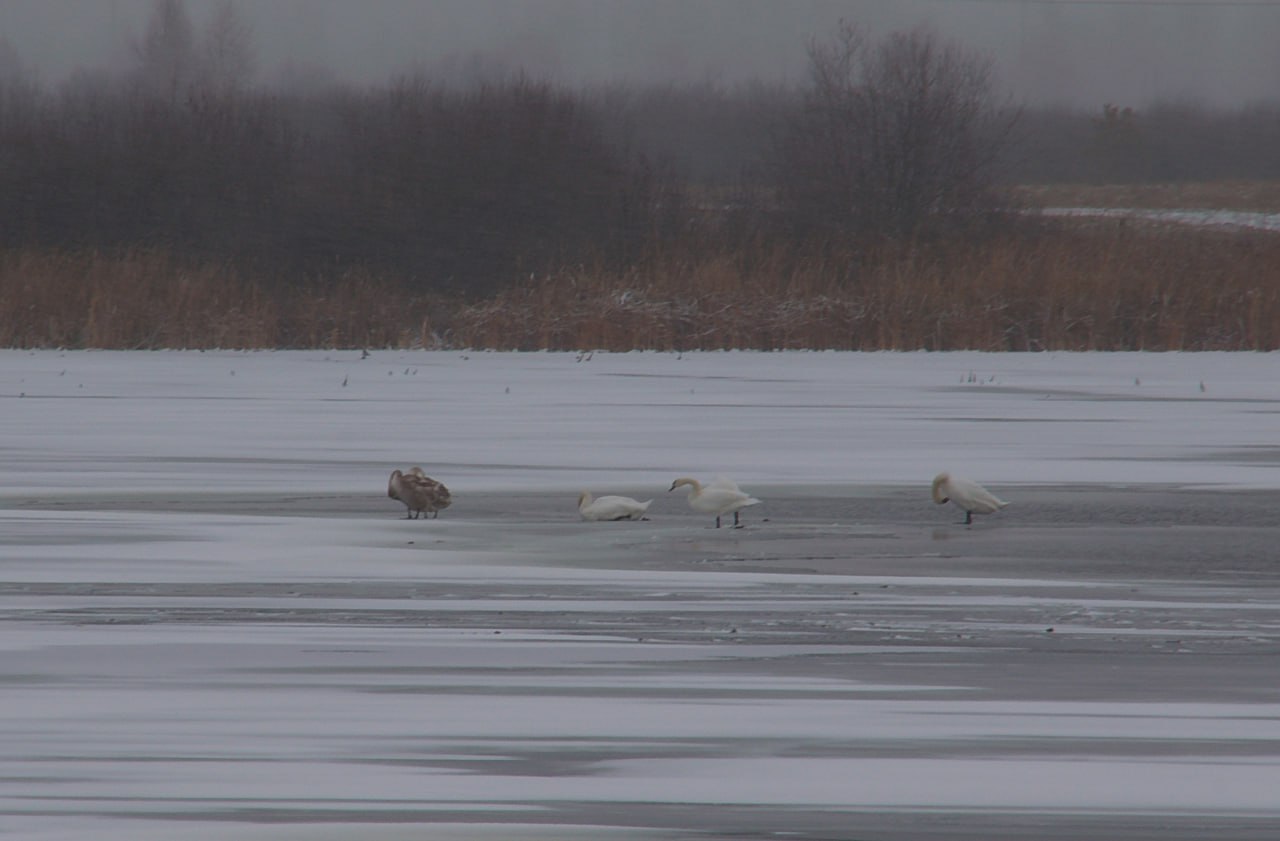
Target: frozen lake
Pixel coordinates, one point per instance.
(215, 625)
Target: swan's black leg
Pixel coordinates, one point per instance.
(736, 524)
(968, 518)
(717, 521)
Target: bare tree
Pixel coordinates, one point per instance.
(12, 69)
(166, 54)
(18, 87)
(227, 57)
(894, 139)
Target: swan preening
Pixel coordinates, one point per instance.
(611, 507)
(718, 497)
(420, 493)
(969, 495)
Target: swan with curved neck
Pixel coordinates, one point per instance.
(719, 497)
(419, 492)
(971, 497)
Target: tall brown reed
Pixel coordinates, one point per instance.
(1098, 287)
(148, 299)
(1070, 286)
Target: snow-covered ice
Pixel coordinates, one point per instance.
(1192, 217)
(284, 421)
(216, 625)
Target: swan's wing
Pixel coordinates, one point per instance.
(423, 491)
(423, 480)
(439, 495)
(620, 507)
(416, 481)
(724, 482)
(721, 500)
(971, 496)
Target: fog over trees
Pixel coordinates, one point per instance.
(1047, 52)
(459, 171)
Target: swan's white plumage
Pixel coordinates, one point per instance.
(611, 507)
(971, 497)
(724, 482)
(720, 496)
(419, 493)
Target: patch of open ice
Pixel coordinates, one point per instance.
(284, 424)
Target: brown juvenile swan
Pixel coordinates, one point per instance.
(420, 493)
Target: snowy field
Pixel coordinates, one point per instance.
(215, 625)
(1238, 220)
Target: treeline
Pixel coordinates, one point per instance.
(717, 134)
(447, 189)
(177, 204)
(1164, 142)
(465, 189)
(453, 188)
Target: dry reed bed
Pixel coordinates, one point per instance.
(148, 300)
(1095, 286)
(1106, 288)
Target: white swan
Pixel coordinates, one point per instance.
(970, 496)
(419, 493)
(718, 497)
(611, 507)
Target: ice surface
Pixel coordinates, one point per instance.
(215, 625)
(1237, 219)
(284, 422)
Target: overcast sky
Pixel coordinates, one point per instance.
(1085, 52)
